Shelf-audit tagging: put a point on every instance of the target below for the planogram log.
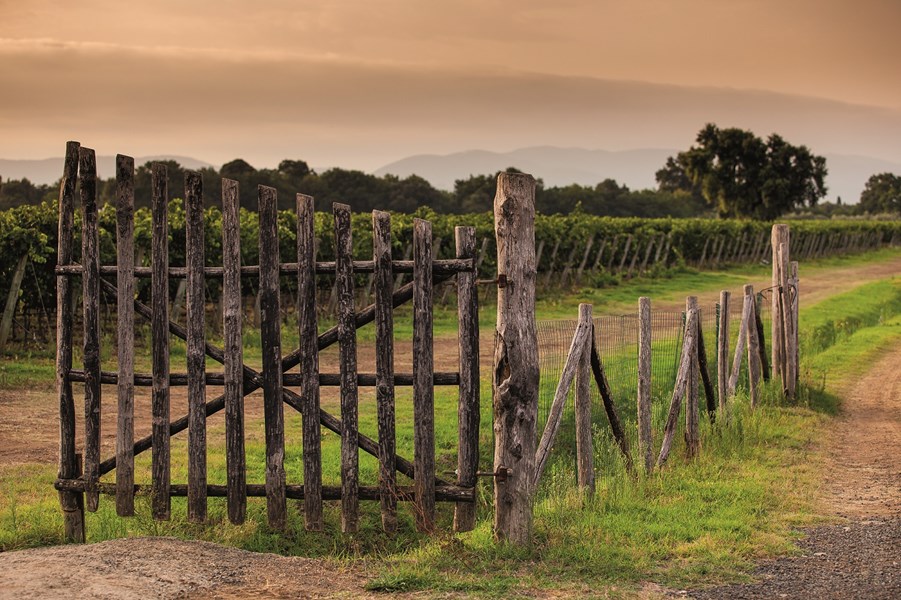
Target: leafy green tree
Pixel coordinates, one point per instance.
(742, 176)
(295, 169)
(235, 169)
(881, 194)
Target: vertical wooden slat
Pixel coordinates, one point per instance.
(692, 435)
(309, 363)
(347, 351)
(125, 310)
(722, 349)
(270, 337)
(159, 327)
(90, 285)
(236, 478)
(384, 366)
(796, 343)
(196, 342)
(72, 504)
(582, 405)
(645, 442)
(468, 408)
(779, 236)
(423, 390)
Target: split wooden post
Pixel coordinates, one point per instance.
(195, 352)
(692, 433)
(125, 311)
(307, 324)
(90, 288)
(753, 345)
(584, 444)
(645, 442)
(682, 377)
(722, 349)
(423, 390)
(581, 343)
(233, 354)
(71, 503)
(779, 238)
(468, 409)
(515, 375)
(271, 342)
(347, 340)
(788, 318)
(740, 346)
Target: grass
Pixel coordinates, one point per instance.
(695, 522)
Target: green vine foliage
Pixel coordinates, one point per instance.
(32, 230)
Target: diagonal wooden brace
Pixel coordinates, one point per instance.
(253, 381)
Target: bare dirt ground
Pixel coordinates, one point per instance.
(860, 558)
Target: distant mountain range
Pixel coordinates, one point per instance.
(635, 168)
(556, 166)
(49, 170)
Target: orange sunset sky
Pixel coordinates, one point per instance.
(361, 83)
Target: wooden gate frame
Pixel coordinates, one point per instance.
(77, 490)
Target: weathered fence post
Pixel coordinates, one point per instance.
(90, 293)
(796, 301)
(780, 238)
(468, 407)
(161, 501)
(584, 445)
(685, 364)
(71, 503)
(753, 345)
(722, 349)
(692, 434)
(645, 443)
(423, 366)
(515, 375)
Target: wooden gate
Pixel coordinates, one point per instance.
(80, 484)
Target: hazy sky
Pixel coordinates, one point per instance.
(361, 83)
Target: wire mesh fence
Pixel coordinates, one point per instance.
(616, 337)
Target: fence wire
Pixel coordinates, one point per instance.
(616, 337)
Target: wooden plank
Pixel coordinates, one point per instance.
(780, 236)
(722, 348)
(515, 374)
(443, 493)
(679, 390)
(232, 323)
(692, 427)
(788, 320)
(619, 434)
(384, 366)
(582, 405)
(271, 342)
(309, 363)
(125, 347)
(468, 406)
(645, 441)
(195, 353)
(423, 391)
(796, 343)
(159, 329)
(90, 286)
(441, 378)
(740, 347)
(580, 343)
(71, 503)
(347, 339)
(753, 346)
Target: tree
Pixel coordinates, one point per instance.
(295, 169)
(881, 194)
(235, 169)
(743, 176)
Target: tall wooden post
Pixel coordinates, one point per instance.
(515, 375)
(722, 349)
(72, 503)
(780, 239)
(645, 443)
(753, 344)
(793, 345)
(584, 443)
(692, 433)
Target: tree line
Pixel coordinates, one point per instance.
(729, 172)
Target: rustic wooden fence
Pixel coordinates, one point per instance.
(79, 482)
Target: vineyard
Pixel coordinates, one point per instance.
(574, 249)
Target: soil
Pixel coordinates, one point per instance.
(861, 556)
(857, 558)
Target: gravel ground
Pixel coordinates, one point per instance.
(860, 559)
